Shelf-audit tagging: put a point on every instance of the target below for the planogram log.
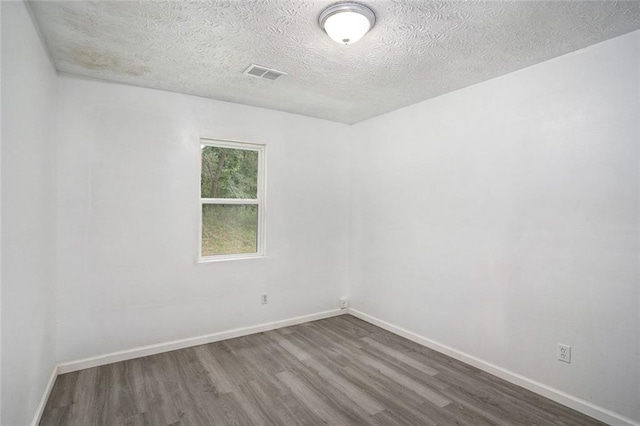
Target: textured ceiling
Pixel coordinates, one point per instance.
(417, 49)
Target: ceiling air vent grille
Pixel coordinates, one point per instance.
(263, 72)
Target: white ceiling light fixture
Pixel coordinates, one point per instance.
(347, 23)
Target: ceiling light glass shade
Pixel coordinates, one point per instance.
(347, 23)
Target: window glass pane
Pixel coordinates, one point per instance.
(228, 173)
(229, 229)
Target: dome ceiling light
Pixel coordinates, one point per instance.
(347, 23)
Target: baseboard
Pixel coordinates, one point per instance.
(141, 351)
(553, 394)
(45, 397)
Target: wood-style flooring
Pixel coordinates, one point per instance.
(338, 371)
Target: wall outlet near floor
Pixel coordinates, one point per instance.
(344, 303)
(264, 299)
(564, 353)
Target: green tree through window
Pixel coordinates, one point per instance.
(231, 199)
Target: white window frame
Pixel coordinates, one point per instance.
(260, 199)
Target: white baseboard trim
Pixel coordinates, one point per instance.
(553, 394)
(45, 397)
(157, 348)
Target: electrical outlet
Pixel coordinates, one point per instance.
(344, 303)
(564, 353)
(264, 299)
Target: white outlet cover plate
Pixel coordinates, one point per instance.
(564, 353)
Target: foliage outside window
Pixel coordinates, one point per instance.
(232, 200)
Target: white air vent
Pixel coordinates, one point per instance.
(263, 72)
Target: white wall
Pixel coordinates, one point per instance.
(128, 202)
(502, 219)
(28, 216)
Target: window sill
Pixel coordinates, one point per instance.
(228, 258)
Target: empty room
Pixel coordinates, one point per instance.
(283, 212)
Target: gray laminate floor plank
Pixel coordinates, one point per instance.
(407, 382)
(351, 391)
(65, 388)
(217, 375)
(312, 400)
(401, 403)
(338, 371)
(259, 406)
(402, 368)
(400, 356)
(87, 405)
(56, 416)
(385, 383)
(533, 408)
(394, 396)
(335, 393)
(154, 392)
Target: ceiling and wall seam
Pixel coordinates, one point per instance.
(417, 50)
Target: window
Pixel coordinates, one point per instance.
(232, 200)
